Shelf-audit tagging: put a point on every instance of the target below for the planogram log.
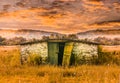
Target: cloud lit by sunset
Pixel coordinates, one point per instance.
(63, 17)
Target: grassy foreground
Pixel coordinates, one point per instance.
(52, 74)
(12, 72)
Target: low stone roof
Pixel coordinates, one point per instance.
(59, 40)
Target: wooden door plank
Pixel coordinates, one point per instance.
(53, 49)
(67, 53)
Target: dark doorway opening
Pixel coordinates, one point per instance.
(72, 60)
(61, 52)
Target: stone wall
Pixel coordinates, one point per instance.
(39, 49)
(84, 53)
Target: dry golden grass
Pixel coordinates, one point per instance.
(16, 73)
(9, 55)
(111, 48)
(51, 74)
(109, 54)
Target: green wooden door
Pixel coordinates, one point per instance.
(67, 53)
(53, 50)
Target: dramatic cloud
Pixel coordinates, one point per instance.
(67, 16)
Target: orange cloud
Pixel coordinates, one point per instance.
(66, 17)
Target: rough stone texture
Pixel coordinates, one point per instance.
(84, 52)
(39, 49)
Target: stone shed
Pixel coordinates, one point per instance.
(59, 52)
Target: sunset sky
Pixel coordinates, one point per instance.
(63, 17)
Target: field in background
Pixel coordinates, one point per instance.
(9, 55)
(109, 54)
(111, 48)
(12, 72)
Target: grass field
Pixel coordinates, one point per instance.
(109, 54)
(111, 48)
(12, 72)
(9, 55)
(51, 74)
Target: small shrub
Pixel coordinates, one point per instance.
(34, 59)
(41, 74)
(69, 74)
(20, 4)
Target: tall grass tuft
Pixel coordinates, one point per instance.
(9, 56)
(34, 59)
